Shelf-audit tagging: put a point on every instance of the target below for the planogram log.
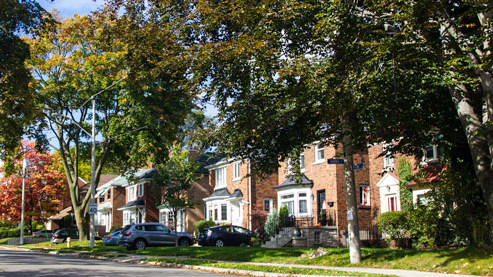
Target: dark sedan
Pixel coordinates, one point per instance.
(226, 235)
(112, 238)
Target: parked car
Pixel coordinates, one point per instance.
(141, 235)
(226, 235)
(43, 233)
(61, 235)
(112, 238)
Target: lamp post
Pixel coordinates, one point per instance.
(24, 172)
(93, 171)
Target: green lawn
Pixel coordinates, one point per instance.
(273, 269)
(470, 260)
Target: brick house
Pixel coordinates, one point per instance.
(322, 189)
(140, 197)
(236, 195)
(384, 176)
(109, 197)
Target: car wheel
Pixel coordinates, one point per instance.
(219, 243)
(140, 244)
(184, 242)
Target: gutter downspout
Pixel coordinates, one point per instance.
(249, 197)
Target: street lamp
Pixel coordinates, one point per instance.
(24, 173)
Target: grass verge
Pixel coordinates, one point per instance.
(271, 269)
(469, 260)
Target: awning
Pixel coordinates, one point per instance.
(133, 205)
(105, 206)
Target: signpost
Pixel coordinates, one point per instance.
(93, 208)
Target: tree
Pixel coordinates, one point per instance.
(140, 102)
(17, 106)
(175, 177)
(44, 186)
(453, 40)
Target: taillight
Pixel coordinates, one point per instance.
(55, 236)
(127, 234)
(109, 238)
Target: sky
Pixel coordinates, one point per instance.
(67, 8)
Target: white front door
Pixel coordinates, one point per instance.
(237, 213)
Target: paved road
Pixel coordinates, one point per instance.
(20, 263)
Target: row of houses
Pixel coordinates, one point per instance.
(228, 193)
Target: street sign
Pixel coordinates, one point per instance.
(93, 208)
(335, 161)
(358, 166)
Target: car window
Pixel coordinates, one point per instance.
(161, 228)
(229, 229)
(139, 227)
(241, 230)
(151, 228)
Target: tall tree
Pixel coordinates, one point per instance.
(44, 185)
(175, 178)
(125, 66)
(17, 108)
(453, 40)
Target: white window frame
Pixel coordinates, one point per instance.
(270, 204)
(319, 147)
(140, 190)
(435, 154)
(236, 171)
(388, 159)
(302, 162)
(214, 205)
(419, 193)
(296, 200)
(131, 193)
(220, 177)
(362, 200)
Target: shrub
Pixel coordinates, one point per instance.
(10, 233)
(272, 224)
(395, 225)
(284, 218)
(202, 225)
(258, 219)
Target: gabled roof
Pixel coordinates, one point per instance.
(292, 181)
(388, 179)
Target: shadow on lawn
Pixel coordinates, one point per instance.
(471, 253)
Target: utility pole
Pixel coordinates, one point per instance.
(24, 173)
(93, 170)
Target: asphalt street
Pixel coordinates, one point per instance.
(20, 263)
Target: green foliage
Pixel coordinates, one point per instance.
(272, 224)
(10, 233)
(395, 225)
(284, 218)
(114, 227)
(202, 225)
(405, 173)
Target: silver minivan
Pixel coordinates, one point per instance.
(141, 235)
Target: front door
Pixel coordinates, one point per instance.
(320, 203)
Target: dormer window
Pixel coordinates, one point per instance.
(220, 177)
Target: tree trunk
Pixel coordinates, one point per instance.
(478, 146)
(82, 223)
(354, 242)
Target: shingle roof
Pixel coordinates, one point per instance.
(291, 181)
(133, 204)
